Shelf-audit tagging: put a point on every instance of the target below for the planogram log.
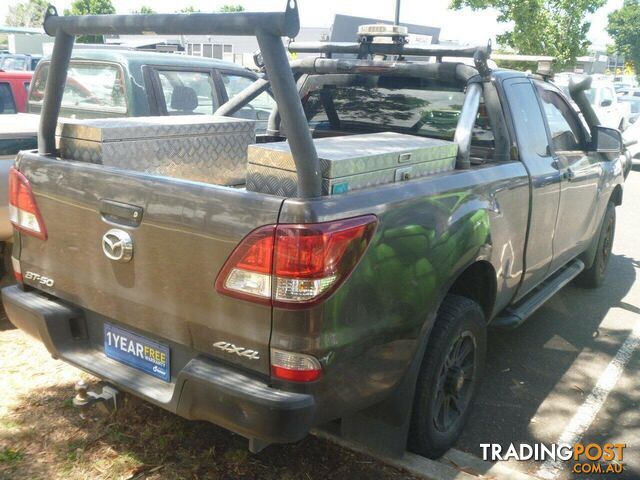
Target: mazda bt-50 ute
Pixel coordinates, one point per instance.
(343, 267)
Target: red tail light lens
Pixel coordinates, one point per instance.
(295, 265)
(23, 209)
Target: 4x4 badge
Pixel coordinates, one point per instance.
(240, 351)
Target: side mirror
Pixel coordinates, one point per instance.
(258, 60)
(606, 103)
(607, 140)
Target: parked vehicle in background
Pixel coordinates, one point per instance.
(634, 106)
(18, 131)
(604, 100)
(128, 83)
(14, 89)
(630, 92)
(19, 62)
(631, 137)
(349, 270)
(624, 82)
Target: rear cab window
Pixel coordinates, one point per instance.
(7, 103)
(369, 104)
(90, 86)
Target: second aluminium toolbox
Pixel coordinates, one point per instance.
(202, 148)
(351, 162)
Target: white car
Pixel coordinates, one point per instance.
(631, 137)
(604, 99)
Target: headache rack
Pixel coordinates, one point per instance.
(267, 27)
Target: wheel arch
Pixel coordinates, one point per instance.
(477, 282)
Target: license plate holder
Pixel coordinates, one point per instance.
(137, 351)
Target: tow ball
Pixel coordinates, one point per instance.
(107, 398)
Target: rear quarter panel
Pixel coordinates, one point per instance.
(429, 231)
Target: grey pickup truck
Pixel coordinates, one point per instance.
(341, 269)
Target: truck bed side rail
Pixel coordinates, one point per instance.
(267, 27)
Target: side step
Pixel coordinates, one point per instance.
(513, 316)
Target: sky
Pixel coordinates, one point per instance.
(465, 26)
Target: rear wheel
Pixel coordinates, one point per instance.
(449, 377)
(593, 276)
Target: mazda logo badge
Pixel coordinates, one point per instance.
(117, 245)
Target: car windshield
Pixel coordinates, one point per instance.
(406, 105)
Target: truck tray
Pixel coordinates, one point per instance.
(351, 162)
(202, 148)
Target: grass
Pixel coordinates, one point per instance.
(10, 456)
(42, 436)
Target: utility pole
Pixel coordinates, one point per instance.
(397, 21)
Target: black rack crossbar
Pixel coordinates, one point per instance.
(371, 48)
(285, 24)
(267, 27)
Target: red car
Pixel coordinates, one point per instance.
(14, 87)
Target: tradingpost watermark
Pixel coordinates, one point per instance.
(589, 458)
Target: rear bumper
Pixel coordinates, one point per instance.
(202, 389)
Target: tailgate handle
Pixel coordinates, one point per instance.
(122, 213)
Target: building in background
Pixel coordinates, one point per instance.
(240, 50)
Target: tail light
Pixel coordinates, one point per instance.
(296, 367)
(295, 266)
(23, 209)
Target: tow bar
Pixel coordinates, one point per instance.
(108, 398)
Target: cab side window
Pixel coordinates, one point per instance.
(564, 125)
(188, 93)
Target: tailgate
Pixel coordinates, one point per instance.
(166, 291)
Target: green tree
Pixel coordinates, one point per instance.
(144, 10)
(27, 14)
(623, 29)
(542, 27)
(231, 8)
(90, 7)
(189, 9)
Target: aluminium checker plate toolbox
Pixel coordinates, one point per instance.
(203, 148)
(351, 162)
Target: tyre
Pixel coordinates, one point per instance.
(593, 276)
(449, 376)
